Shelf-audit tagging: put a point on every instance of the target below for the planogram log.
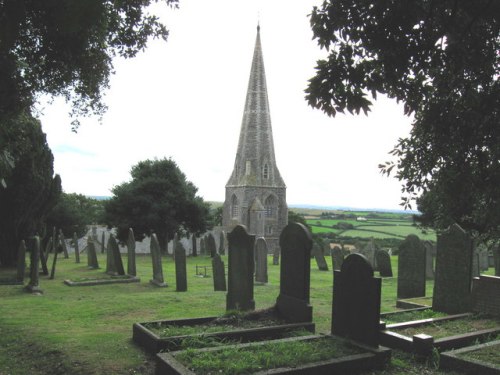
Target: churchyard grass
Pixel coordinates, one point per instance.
(88, 329)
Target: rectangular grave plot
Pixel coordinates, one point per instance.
(146, 334)
(423, 335)
(119, 279)
(357, 358)
(467, 359)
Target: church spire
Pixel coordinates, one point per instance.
(255, 162)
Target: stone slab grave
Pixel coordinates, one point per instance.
(319, 257)
(384, 263)
(337, 258)
(350, 295)
(458, 359)
(261, 260)
(411, 268)
(219, 273)
(157, 265)
(180, 268)
(291, 311)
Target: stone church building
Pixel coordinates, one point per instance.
(256, 192)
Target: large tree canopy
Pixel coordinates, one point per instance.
(32, 190)
(441, 59)
(65, 47)
(158, 199)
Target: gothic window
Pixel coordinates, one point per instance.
(234, 207)
(265, 171)
(271, 206)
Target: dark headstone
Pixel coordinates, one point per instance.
(195, 249)
(91, 254)
(429, 260)
(77, 250)
(131, 267)
(219, 273)
(384, 263)
(210, 244)
(34, 283)
(295, 271)
(157, 266)
(180, 267)
(337, 258)
(320, 258)
(411, 268)
(240, 270)
(261, 260)
(452, 285)
(21, 262)
(356, 301)
(117, 257)
(110, 259)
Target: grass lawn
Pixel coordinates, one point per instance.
(88, 329)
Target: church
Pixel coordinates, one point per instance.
(255, 192)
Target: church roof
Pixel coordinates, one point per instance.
(255, 163)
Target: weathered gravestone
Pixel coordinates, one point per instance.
(411, 268)
(240, 270)
(91, 254)
(116, 267)
(21, 262)
(337, 258)
(356, 301)
(261, 260)
(384, 263)
(211, 245)
(77, 250)
(180, 267)
(219, 273)
(319, 257)
(496, 259)
(34, 283)
(429, 259)
(452, 285)
(157, 266)
(369, 252)
(110, 259)
(193, 244)
(222, 243)
(131, 267)
(295, 271)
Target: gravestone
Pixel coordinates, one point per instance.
(337, 258)
(77, 250)
(411, 268)
(222, 243)
(180, 267)
(319, 257)
(240, 270)
(210, 245)
(429, 260)
(356, 301)
(452, 284)
(117, 257)
(34, 283)
(261, 260)
(295, 271)
(384, 263)
(369, 252)
(276, 256)
(131, 267)
(193, 241)
(496, 259)
(157, 266)
(21, 262)
(63, 244)
(110, 259)
(91, 254)
(219, 273)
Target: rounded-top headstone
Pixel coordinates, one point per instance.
(358, 266)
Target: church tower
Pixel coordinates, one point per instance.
(255, 192)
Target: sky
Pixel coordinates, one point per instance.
(184, 98)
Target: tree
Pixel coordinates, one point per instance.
(159, 198)
(73, 212)
(65, 47)
(32, 190)
(294, 217)
(441, 59)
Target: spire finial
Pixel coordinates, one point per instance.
(258, 21)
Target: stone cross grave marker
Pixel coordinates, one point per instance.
(356, 301)
(156, 259)
(411, 268)
(452, 284)
(384, 263)
(261, 260)
(337, 258)
(131, 267)
(180, 267)
(219, 273)
(240, 270)
(295, 271)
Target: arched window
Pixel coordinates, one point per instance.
(234, 207)
(271, 206)
(265, 171)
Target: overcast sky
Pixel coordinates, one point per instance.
(184, 99)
